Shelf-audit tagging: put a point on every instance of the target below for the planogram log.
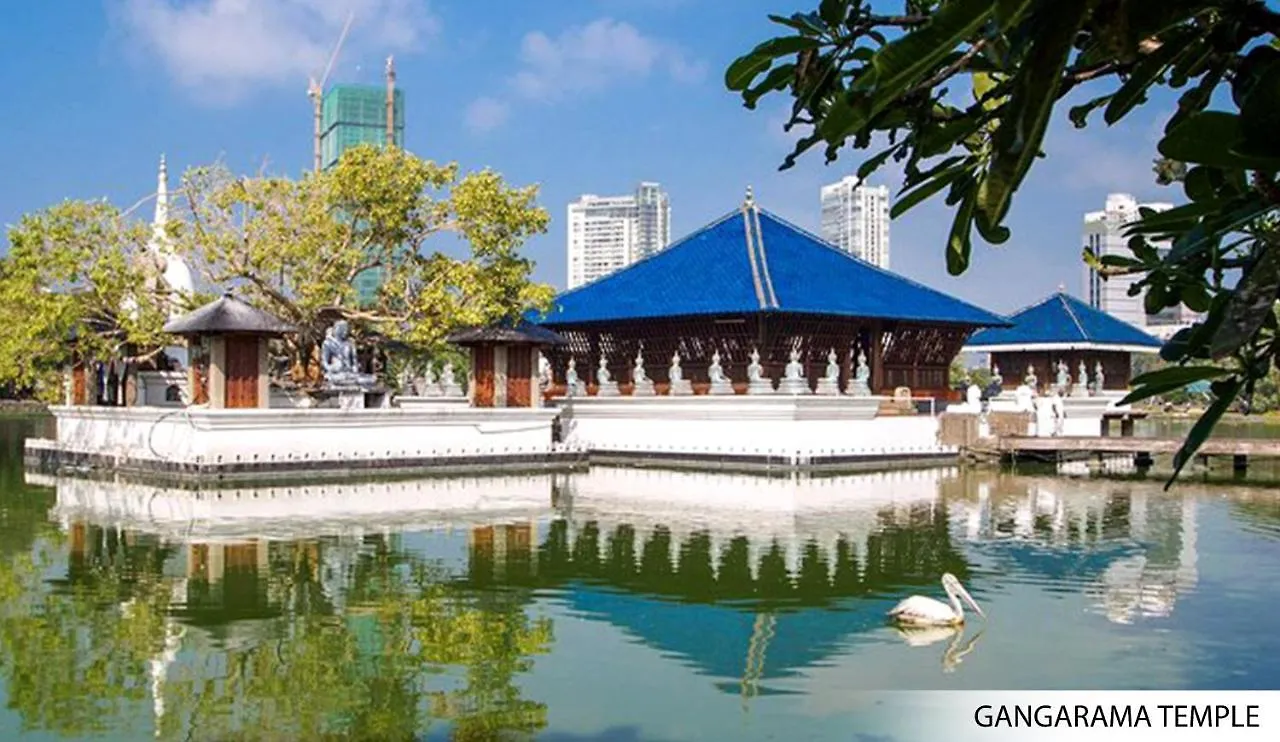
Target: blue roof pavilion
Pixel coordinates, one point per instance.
(1063, 329)
(752, 280)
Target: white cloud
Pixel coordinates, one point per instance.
(587, 59)
(220, 49)
(485, 114)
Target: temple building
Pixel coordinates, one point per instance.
(751, 282)
(1063, 331)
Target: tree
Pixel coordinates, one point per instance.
(294, 247)
(76, 270)
(83, 270)
(867, 80)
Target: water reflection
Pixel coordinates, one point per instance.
(395, 609)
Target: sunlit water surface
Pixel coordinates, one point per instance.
(613, 604)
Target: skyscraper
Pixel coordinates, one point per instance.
(855, 218)
(352, 115)
(606, 233)
(1104, 235)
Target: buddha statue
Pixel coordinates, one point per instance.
(715, 373)
(861, 386)
(756, 382)
(793, 381)
(829, 384)
(679, 386)
(605, 385)
(338, 359)
(642, 385)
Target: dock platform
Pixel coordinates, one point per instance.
(1240, 450)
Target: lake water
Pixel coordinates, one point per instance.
(614, 604)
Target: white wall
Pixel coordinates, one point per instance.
(747, 425)
(203, 436)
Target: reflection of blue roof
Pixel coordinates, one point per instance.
(1057, 563)
(770, 266)
(800, 638)
(1063, 320)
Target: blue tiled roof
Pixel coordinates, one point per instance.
(1063, 319)
(774, 266)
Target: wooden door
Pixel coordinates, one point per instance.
(519, 375)
(242, 372)
(482, 363)
(79, 389)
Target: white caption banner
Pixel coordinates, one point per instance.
(1133, 716)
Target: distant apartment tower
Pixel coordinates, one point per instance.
(855, 218)
(352, 115)
(1104, 234)
(606, 233)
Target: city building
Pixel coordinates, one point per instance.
(855, 218)
(1104, 234)
(606, 233)
(352, 115)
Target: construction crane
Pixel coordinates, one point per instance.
(391, 102)
(315, 90)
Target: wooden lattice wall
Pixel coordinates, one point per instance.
(1116, 366)
(899, 354)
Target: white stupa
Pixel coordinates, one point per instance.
(174, 270)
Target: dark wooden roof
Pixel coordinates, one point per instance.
(521, 333)
(226, 316)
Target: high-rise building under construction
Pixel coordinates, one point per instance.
(353, 115)
(357, 114)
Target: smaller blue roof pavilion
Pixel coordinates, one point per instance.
(1063, 322)
(751, 281)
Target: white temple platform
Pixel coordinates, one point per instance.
(251, 443)
(751, 432)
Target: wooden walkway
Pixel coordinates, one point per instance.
(1240, 450)
(1263, 447)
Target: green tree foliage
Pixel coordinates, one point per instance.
(75, 270)
(82, 270)
(294, 247)
(961, 92)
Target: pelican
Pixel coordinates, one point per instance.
(921, 611)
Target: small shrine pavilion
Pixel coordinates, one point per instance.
(751, 281)
(504, 362)
(228, 344)
(1063, 330)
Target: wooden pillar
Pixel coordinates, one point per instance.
(264, 375)
(875, 357)
(217, 379)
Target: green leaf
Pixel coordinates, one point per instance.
(906, 60)
(832, 12)
(1155, 383)
(1201, 431)
(1252, 301)
(1079, 115)
(745, 69)
(870, 166)
(805, 23)
(1009, 12)
(940, 181)
(1260, 117)
(1199, 183)
(777, 79)
(1144, 74)
(1205, 138)
(1016, 143)
(959, 245)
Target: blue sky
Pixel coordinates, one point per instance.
(580, 96)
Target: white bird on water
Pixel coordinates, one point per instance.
(921, 611)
